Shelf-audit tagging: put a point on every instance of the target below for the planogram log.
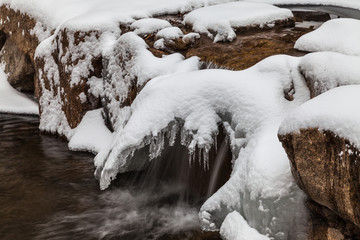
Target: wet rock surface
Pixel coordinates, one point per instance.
(326, 167)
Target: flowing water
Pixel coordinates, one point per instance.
(48, 192)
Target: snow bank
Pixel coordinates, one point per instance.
(337, 35)
(335, 110)
(327, 70)
(12, 101)
(223, 18)
(235, 227)
(100, 15)
(91, 135)
(251, 104)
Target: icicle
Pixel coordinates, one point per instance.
(172, 133)
(156, 145)
(191, 156)
(206, 158)
(215, 143)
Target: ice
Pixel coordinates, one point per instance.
(327, 70)
(336, 35)
(91, 135)
(223, 19)
(334, 110)
(235, 227)
(12, 101)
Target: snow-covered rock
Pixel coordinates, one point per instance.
(326, 70)
(235, 227)
(223, 19)
(337, 35)
(251, 105)
(91, 135)
(129, 66)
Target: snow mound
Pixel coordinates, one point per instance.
(12, 101)
(337, 35)
(170, 33)
(191, 105)
(326, 70)
(335, 110)
(131, 63)
(91, 134)
(149, 25)
(223, 18)
(235, 227)
(87, 15)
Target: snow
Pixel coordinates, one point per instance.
(139, 68)
(235, 227)
(149, 25)
(223, 18)
(170, 33)
(355, 4)
(181, 102)
(99, 15)
(336, 35)
(327, 70)
(334, 110)
(91, 134)
(12, 101)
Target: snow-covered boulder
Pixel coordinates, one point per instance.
(337, 35)
(322, 141)
(250, 104)
(326, 70)
(224, 19)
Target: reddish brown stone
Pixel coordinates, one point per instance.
(326, 167)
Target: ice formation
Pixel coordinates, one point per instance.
(223, 19)
(337, 35)
(12, 101)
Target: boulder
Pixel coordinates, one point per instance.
(18, 66)
(326, 167)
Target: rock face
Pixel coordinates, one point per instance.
(326, 167)
(19, 65)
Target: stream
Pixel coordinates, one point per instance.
(49, 192)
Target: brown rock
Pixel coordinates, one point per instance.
(18, 66)
(326, 167)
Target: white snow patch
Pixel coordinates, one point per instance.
(223, 18)
(91, 134)
(336, 35)
(170, 33)
(235, 227)
(149, 25)
(335, 110)
(12, 101)
(327, 70)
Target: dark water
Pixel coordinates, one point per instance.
(48, 192)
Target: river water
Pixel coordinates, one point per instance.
(49, 192)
